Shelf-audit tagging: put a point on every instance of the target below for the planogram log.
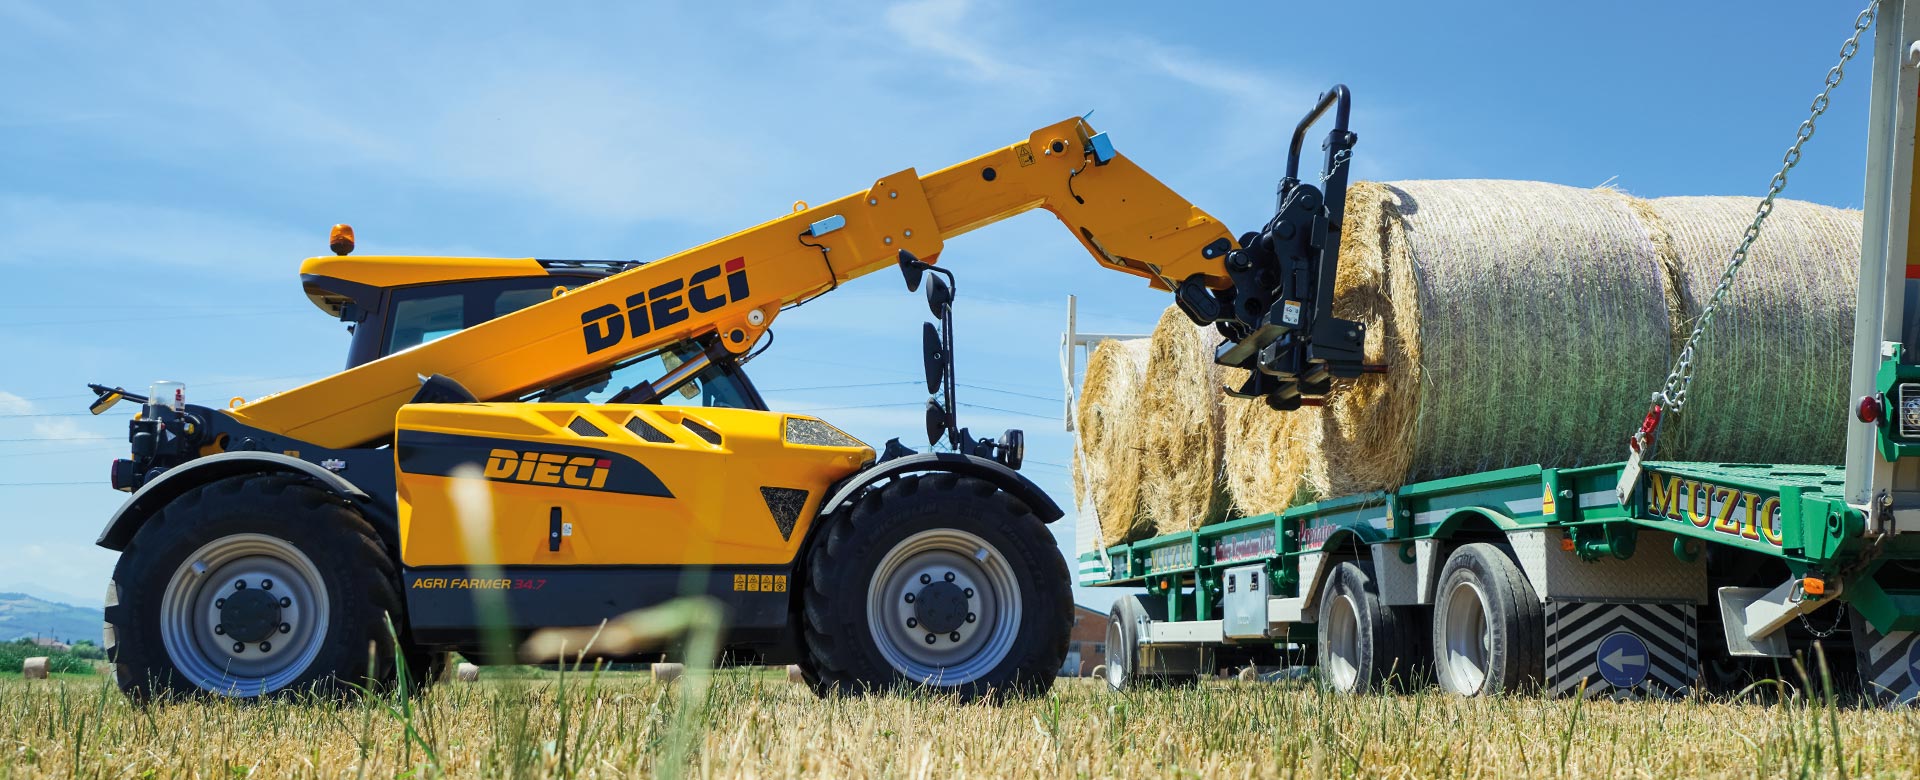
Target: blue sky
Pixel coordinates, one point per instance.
(163, 170)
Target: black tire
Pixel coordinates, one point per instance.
(1482, 579)
(358, 577)
(1128, 666)
(1364, 645)
(843, 652)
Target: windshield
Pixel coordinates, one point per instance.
(719, 385)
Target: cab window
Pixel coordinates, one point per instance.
(422, 314)
(421, 320)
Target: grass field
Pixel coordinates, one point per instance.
(760, 726)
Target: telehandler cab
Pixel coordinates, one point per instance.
(627, 460)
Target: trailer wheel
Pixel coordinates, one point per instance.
(938, 581)
(1364, 646)
(251, 586)
(1129, 665)
(1488, 630)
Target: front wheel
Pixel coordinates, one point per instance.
(250, 586)
(937, 581)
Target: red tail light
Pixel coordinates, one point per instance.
(1869, 409)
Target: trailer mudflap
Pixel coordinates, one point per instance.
(1889, 662)
(1622, 650)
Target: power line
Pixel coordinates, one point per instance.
(112, 320)
(43, 484)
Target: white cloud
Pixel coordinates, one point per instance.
(944, 28)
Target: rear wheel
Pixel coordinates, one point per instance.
(1364, 645)
(939, 581)
(1488, 629)
(249, 586)
(1131, 664)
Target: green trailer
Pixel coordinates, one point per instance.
(1627, 579)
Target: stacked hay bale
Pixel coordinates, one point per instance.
(1180, 423)
(1106, 465)
(1771, 378)
(1524, 323)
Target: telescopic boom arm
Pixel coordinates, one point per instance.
(1271, 298)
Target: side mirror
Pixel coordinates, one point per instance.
(936, 422)
(939, 296)
(912, 268)
(934, 351)
(1013, 448)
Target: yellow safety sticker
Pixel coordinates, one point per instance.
(1025, 153)
(760, 583)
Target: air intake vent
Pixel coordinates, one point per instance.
(1909, 410)
(702, 431)
(645, 430)
(785, 504)
(582, 427)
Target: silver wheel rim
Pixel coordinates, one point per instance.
(920, 584)
(1343, 644)
(1467, 641)
(269, 647)
(1119, 654)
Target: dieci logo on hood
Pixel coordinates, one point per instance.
(664, 305)
(547, 468)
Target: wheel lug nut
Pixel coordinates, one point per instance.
(239, 647)
(931, 639)
(955, 636)
(219, 603)
(926, 579)
(284, 628)
(967, 592)
(949, 576)
(909, 598)
(286, 602)
(912, 623)
(266, 584)
(265, 646)
(219, 629)
(970, 617)
(239, 584)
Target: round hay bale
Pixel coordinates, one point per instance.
(668, 672)
(1180, 427)
(466, 672)
(1513, 316)
(1267, 453)
(1106, 469)
(34, 668)
(794, 675)
(1771, 377)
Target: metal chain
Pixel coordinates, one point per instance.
(1839, 616)
(1674, 394)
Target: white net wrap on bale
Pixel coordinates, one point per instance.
(1771, 377)
(1106, 467)
(1521, 323)
(1180, 426)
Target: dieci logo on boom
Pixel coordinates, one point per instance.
(1706, 505)
(663, 305)
(547, 468)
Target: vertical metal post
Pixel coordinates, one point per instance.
(1883, 314)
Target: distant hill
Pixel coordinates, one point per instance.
(23, 615)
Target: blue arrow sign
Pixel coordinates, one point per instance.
(1622, 659)
(1913, 659)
